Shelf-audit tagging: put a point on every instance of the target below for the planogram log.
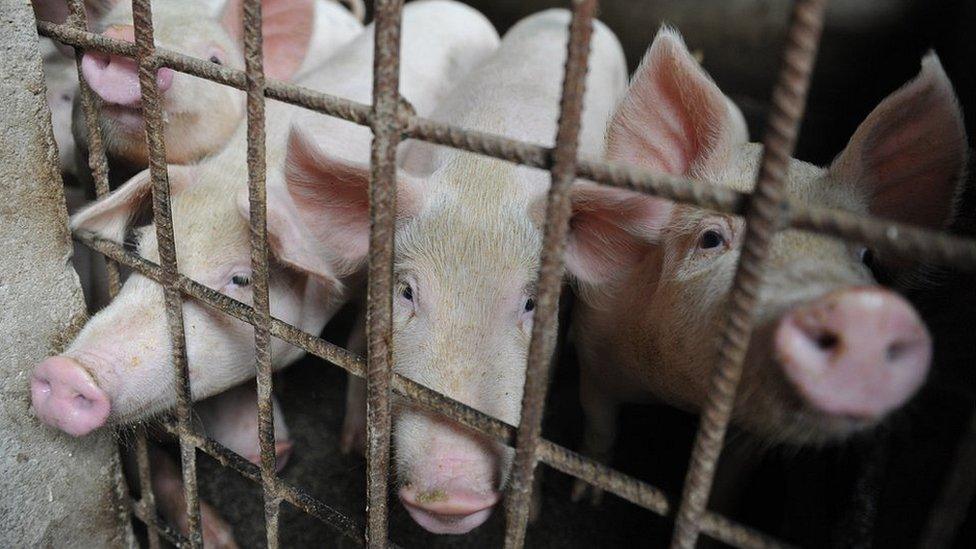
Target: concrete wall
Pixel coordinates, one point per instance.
(55, 491)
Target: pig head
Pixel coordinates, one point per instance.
(832, 352)
(119, 369)
(199, 116)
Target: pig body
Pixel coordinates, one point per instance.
(832, 352)
(467, 247)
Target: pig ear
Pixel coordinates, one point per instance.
(112, 216)
(332, 197)
(674, 118)
(610, 230)
(910, 152)
(289, 242)
(286, 29)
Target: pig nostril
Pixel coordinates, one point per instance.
(82, 402)
(896, 351)
(827, 341)
(42, 385)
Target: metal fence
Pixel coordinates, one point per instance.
(766, 211)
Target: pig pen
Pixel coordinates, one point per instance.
(909, 484)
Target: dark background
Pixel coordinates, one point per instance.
(806, 496)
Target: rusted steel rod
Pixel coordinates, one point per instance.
(554, 455)
(893, 239)
(949, 511)
(763, 219)
(163, 219)
(386, 126)
(551, 269)
(154, 525)
(258, 220)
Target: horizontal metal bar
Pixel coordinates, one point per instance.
(893, 239)
(556, 456)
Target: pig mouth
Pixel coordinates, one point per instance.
(128, 117)
(442, 513)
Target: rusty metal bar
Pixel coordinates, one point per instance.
(257, 197)
(163, 218)
(950, 509)
(554, 455)
(889, 238)
(763, 219)
(386, 128)
(148, 498)
(558, 212)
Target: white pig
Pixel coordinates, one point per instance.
(201, 116)
(467, 253)
(832, 352)
(119, 370)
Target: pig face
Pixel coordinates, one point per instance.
(199, 116)
(832, 352)
(463, 308)
(119, 368)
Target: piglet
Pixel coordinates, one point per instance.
(833, 353)
(467, 250)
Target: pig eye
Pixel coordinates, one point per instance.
(407, 292)
(241, 280)
(529, 305)
(711, 239)
(216, 60)
(866, 256)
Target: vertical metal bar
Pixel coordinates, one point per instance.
(558, 212)
(98, 164)
(148, 499)
(763, 218)
(379, 310)
(950, 509)
(855, 529)
(163, 218)
(257, 195)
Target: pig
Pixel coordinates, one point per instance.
(201, 116)
(832, 353)
(467, 252)
(118, 370)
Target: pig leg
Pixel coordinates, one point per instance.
(167, 483)
(599, 431)
(231, 418)
(354, 424)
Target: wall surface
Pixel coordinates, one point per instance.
(55, 491)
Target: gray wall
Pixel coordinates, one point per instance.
(55, 491)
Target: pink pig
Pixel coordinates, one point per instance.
(832, 352)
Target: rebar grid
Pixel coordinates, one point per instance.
(558, 457)
(379, 303)
(544, 323)
(763, 219)
(893, 239)
(163, 219)
(258, 219)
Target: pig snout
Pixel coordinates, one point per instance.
(452, 485)
(449, 505)
(116, 79)
(858, 352)
(66, 397)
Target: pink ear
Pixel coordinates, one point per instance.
(289, 242)
(610, 230)
(332, 196)
(910, 152)
(111, 216)
(286, 28)
(674, 118)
